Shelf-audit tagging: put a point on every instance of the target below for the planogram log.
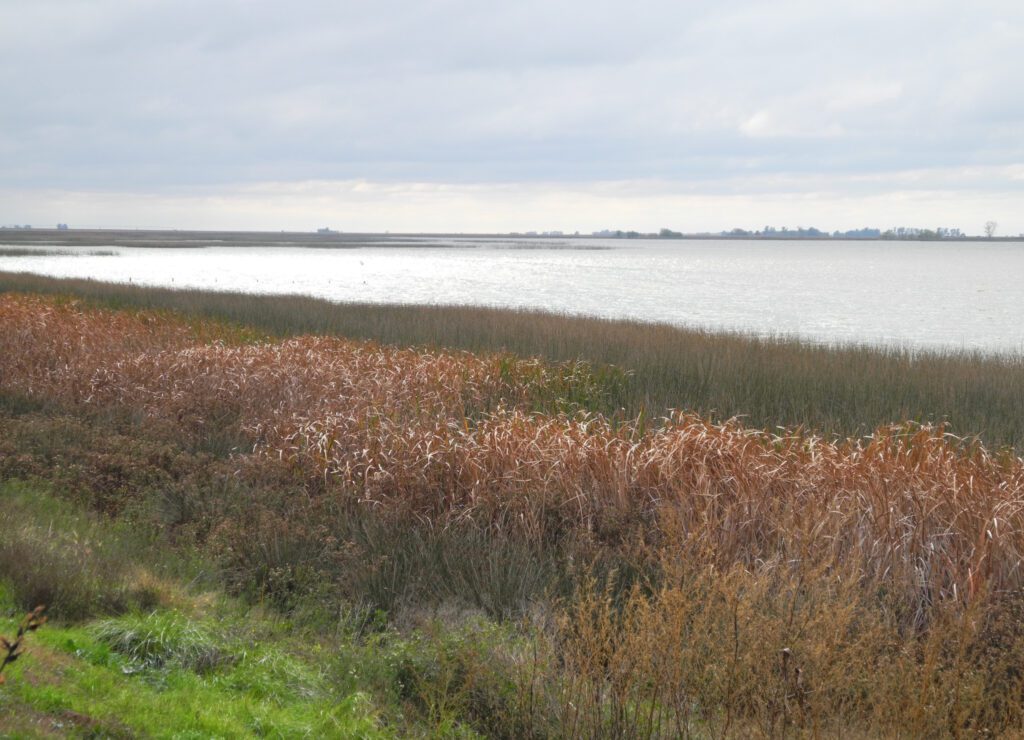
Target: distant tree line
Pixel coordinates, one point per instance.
(810, 232)
(903, 232)
(800, 232)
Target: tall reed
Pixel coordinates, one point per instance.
(452, 437)
(649, 368)
(725, 579)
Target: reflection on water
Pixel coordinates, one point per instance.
(940, 295)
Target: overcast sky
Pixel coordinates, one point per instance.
(462, 115)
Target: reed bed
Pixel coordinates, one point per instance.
(644, 368)
(163, 366)
(451, 438)
(728, 580)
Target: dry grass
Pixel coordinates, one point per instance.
(644, 368)
(888, 567)
(447, 436)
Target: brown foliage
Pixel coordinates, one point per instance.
(449, 437)
(782, 582)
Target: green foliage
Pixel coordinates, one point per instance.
(54, 556)
(161, 639)
(78, 683)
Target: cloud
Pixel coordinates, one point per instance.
(160, 97)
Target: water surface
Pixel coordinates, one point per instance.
(967, 295)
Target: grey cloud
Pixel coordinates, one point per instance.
(156, 94)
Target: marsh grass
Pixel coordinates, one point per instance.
(652, 578)
(647, 368)
(51, 555)
(451, 439)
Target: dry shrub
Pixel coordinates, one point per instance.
(775, 652)
(460, 672)
(280, 545)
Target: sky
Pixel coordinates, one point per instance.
(479, 116)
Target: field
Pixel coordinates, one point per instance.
(505, 524)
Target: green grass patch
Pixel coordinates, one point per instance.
(71, 680)
(161, 639)
(206, 669)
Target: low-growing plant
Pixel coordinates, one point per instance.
(162, 639)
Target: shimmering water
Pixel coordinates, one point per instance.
(927, 295)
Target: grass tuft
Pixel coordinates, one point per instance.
(163, 639)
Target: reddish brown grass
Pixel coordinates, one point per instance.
(448, 436)
(798, 584)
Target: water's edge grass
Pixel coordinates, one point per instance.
(646, 369)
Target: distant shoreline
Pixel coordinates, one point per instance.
(184, 239)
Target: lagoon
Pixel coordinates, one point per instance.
(922, 295)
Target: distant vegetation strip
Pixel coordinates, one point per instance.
(26, 252)
(646, 369)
